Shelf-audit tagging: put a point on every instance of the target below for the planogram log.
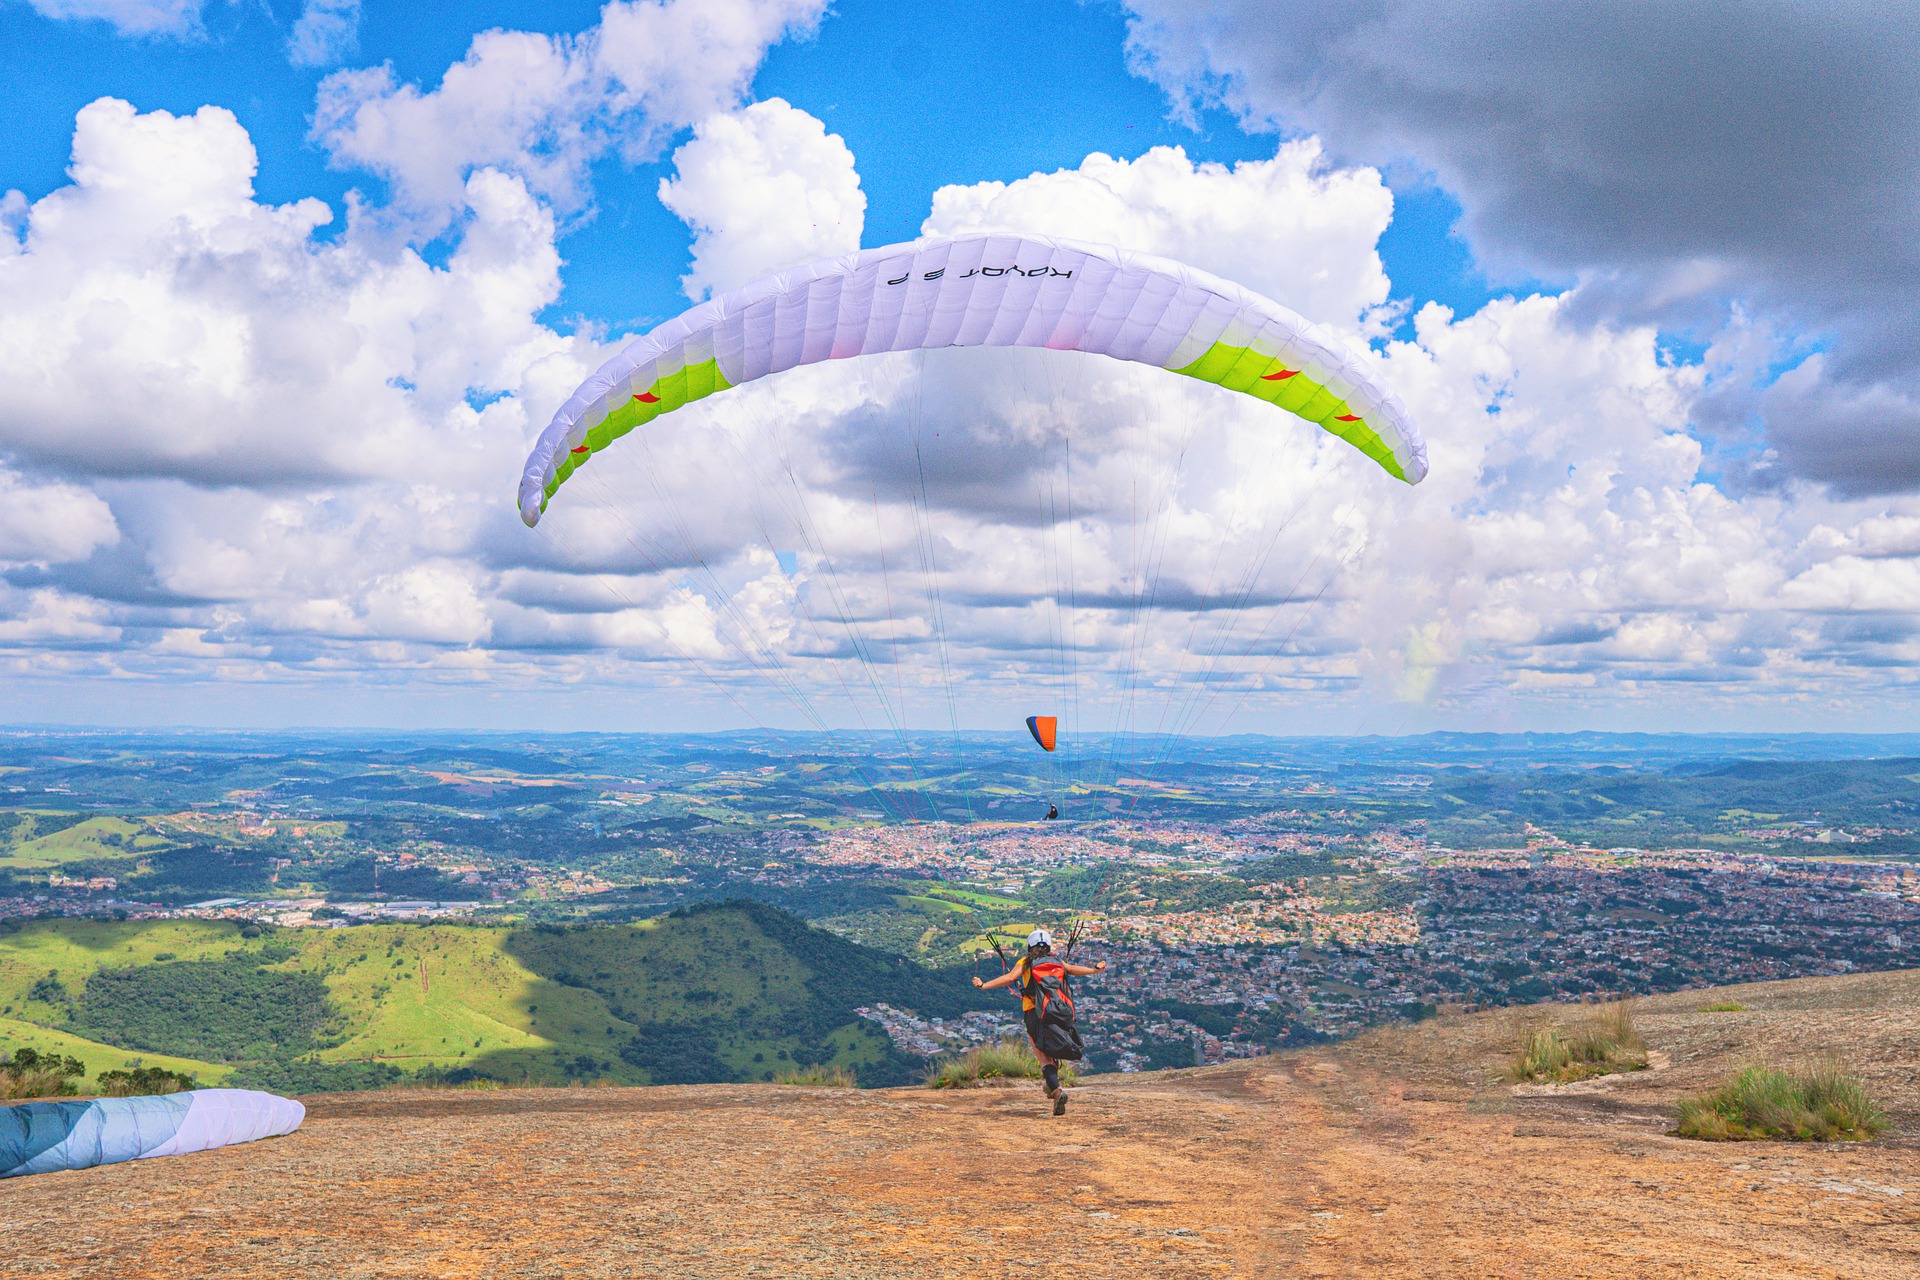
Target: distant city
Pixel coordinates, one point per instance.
(1247, 893)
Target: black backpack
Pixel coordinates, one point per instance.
(1047, 985)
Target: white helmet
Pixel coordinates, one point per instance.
(1039, 938)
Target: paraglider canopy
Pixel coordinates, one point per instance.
(1043, 728)
(982, 290)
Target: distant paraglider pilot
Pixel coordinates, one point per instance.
(1046, 732)
(1046, 997)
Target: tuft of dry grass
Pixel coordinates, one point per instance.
(819, 1076)
(1004, 1060)
(1595, 1046)
(28, 1074)
(1827, 1103)
(35, 1082)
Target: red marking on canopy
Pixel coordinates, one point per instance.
(647, 397)
(1284, 374)
(579, 448)
(1348, 417)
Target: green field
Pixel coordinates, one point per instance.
(735, 992)
(37, 841)
(15, 1034)
(74, 949)
(974, 898)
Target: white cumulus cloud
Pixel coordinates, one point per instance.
(238, 450)
(51, 522)
(1293, 227)
(156, 319)
(763, 188)
(327, 31)
(544, 107)
(129, 17)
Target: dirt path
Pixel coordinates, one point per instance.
(1305, 1167)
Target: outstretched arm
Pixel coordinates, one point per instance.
(1006, 979)
(1082, 970)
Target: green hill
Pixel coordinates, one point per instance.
(720, 992)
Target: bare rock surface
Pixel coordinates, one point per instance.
(1398, 1154)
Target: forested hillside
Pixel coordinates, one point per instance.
(728, 991)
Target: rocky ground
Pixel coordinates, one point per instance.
(1399, 1154)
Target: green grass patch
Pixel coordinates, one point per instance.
(1826, 1103)
(935, 906)
(1726, 1006)
(1599, 1045)
(103, 837)
(1002, 1060)
(75, 948)
(439, 996)
(1012, 935)
(974, 898)
(20, 825)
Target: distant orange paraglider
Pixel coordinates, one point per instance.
(1043, 728)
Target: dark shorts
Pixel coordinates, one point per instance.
(1065, 1041)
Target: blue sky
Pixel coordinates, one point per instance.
(1674, 452)
(1011, 88)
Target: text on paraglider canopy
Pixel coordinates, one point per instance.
(989, 272)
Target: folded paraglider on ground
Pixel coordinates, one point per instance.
(48, 1137)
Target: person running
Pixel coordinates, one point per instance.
(1046, 998)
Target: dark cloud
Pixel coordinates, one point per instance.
(1674, 155)
(1873, 629)
(1684, 675)
(957, 454)
(1154, 598)
(117, 574)
(1859, 440)
(1578, 631)
(567, 593)
(1874, 661)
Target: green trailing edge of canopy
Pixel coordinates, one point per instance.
(1239, 369)
(1243, 369)
(676, 390)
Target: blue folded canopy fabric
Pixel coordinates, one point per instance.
(45, 1137)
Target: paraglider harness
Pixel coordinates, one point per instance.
(1046, 995)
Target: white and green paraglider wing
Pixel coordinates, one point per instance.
(982, 291)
